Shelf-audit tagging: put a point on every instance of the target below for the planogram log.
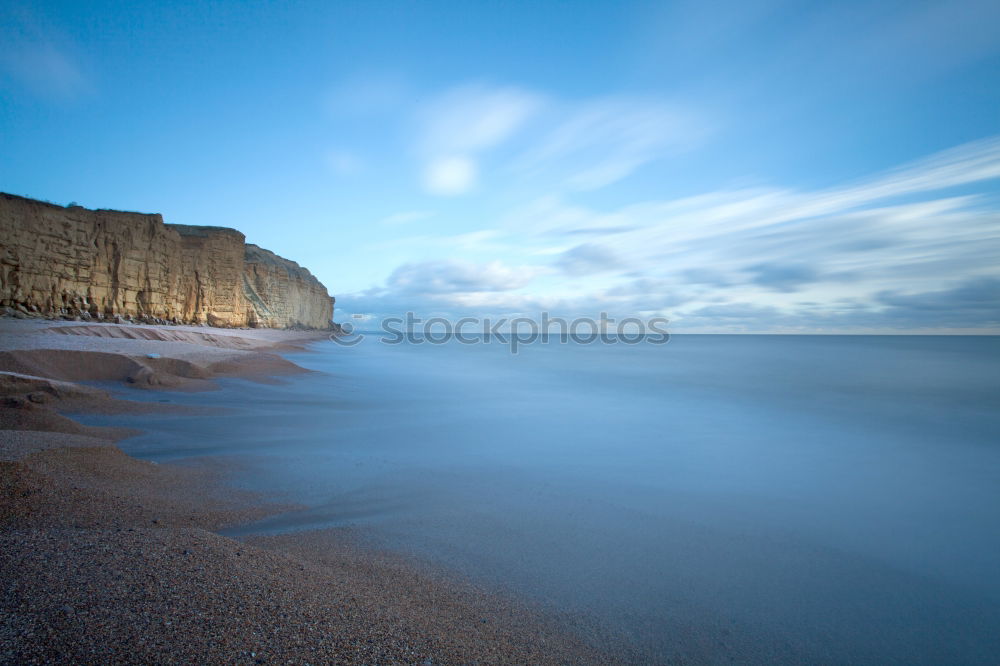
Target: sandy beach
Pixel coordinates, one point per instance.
(109, 559)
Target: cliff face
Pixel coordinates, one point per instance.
(56, 260)
(282, 293)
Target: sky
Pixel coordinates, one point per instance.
(743, 166)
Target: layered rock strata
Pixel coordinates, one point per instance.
(100, 264)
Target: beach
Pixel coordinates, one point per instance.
(113, 559)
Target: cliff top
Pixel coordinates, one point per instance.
(201, 230)
(261, 255)
(182, 229)
(49, 204)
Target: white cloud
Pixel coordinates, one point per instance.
(456, 127)
(449, 176)
(456, 276)
(659, 226)
(445, 287)
(600, 142)
(579, 145)
(842, 258)
(588, 258)
(470, 119)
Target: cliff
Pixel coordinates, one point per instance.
(281, 292)
(103, 263)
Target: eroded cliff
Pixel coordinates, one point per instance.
(103, 263)
(280, 290)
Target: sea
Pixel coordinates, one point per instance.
(716, 499)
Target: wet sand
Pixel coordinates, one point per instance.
(108, 559)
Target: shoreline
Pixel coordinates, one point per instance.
(112, 558)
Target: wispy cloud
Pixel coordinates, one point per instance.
(41, 60)
(973, 301)
(450, 175)
(602, 141)
(579, 145)
(454, 276)
(448, 287)
(971, 306)
(473, 118)
(460, 124)
(587, 259)
(877, 252)
(783, 277)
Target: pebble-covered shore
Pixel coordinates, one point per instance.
(108, 559)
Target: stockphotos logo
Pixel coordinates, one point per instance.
(513, 333)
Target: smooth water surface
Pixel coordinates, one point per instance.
(747, 498)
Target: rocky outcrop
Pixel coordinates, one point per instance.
(282, 293)
(103, 263)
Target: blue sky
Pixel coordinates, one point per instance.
(744, 166)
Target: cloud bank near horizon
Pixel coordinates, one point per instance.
(913, 248)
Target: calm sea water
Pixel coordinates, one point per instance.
(747, 498)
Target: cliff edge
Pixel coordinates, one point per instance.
(100, 264)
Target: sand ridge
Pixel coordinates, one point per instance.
(231, 339)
